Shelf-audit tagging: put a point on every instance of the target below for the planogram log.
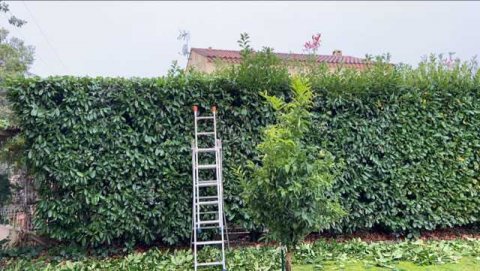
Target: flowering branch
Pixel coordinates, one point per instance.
(312, 45)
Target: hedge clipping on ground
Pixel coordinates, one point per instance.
(111, 156)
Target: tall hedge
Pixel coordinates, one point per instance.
(411, 143)
(111, 156)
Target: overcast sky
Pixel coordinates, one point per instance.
(140, 38)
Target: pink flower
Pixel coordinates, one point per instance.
(313, 45)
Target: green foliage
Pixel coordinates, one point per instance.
(4, 123)
(261, 70)
(15, 59)
(112, 156)
(261, 259)
(409, 138)
(388, 253)
(13, 20)
(15, 55)
(244, 43)
(4, 189)
(289, 191)
(320, 254)
(11, 152)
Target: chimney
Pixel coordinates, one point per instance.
(337, 52)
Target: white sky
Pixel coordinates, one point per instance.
(140, 38)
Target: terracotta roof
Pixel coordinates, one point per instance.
(234, 56)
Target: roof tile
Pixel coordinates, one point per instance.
(235, 57)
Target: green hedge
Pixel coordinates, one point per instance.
(410, 140)
(112, 156)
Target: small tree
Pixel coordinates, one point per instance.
(15, 59)
(289, 191)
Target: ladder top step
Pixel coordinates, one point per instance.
(210, 264)
(203, 243)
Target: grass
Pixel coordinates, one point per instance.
(355, 255)
(465, 264)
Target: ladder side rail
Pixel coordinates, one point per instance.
(218, 168)
(193, 194)
(219, 185)
(221, 182)
(194, 209)
(197, 190)
(214, 112)
(220, 204)
(195, 187)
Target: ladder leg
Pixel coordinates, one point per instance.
(226, 230)
(220, 197)
(195, 168)
(221, 183)
(193, 196)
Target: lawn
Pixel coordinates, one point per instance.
(464, 264)
(463, 255)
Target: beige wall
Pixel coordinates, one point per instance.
(201, 63)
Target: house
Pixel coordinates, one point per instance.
(207, 60)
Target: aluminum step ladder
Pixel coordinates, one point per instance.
(207, 212)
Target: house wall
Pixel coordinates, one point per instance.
(202, 64)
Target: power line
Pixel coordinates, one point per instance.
(36, 55)
(45, 36)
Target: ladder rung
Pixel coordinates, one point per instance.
(205, 118)
(215, 202)
(208, 197)
(202, 243)
(206, 150)
(207, 183)
(210, 264)
(206, 166)
(206, 222)
(209, 213)
(205, 133)
(209, 227)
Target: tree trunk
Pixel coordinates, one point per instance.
(288, 260)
